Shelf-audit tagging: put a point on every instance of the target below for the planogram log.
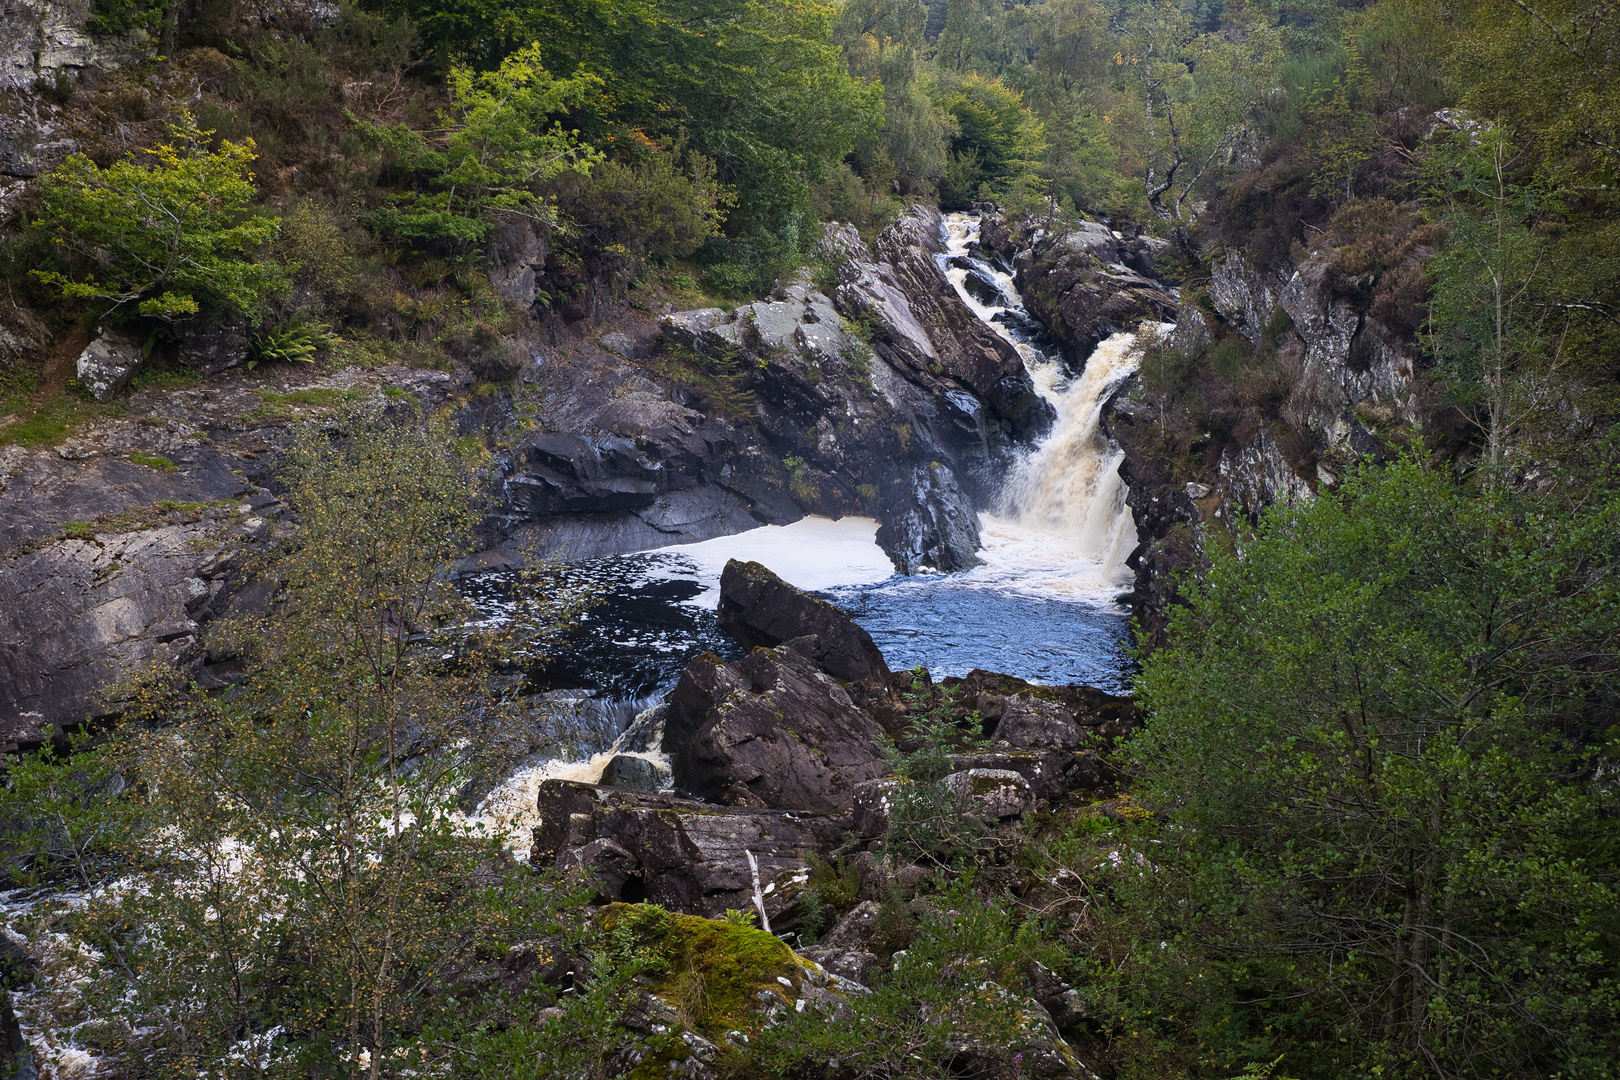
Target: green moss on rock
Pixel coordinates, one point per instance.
(715, 970)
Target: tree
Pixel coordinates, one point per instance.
(1195, 93)
(1490, 323)
(167, 230)
(312, 889)
(759, 89)
(1376, 753)
(499, 142)
(999, 143)
(883, 41)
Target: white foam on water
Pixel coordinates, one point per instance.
(513, 805)
(813, 553)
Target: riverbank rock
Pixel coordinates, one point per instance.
(689, 856)
(773, 730)
(760, 609)
(1085, 285)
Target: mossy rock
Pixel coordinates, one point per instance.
(715, 969)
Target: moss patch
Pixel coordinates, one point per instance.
(714, 970)
(49, 423)
(153, 461)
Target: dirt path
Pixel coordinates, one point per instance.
(60, 367)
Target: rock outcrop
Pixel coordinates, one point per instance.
(760, 609)
(121, 542)
(887, 398)
(1084, 285)
(689, 856)
(1347, 376)
(792, 725)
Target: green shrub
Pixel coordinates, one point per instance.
(168, 232)
(294, 341)
(653, 205)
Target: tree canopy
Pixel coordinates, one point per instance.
(1377, 756)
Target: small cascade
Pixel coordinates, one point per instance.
(1063, 527)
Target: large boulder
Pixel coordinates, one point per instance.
(213, 345)
(108, 363)
(936, 528)
(1032, 723)
(776, 731)
(689, 856)
(760, 609)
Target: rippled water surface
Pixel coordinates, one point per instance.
(657, 610)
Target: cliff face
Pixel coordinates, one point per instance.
(1272, 383)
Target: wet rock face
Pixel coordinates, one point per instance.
(620, 466)
(888, 398)
(935, 526)
(1088, 284)
(964, 349)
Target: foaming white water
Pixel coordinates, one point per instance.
(1063, 529)
(513, 806)
(813, 553)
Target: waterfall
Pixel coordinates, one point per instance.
(1062, 527)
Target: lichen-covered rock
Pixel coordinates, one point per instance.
(855, 930)
(1259, 476)
(1032, 723)
(22, 334)
(855, 965)
(996, 793)
(108, 363)
(1051, 774)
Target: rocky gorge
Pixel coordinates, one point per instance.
(780, 766)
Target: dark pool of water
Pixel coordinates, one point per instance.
(643, 632)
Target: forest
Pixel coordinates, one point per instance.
(1367, 823)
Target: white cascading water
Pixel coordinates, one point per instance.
(1063, 529)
